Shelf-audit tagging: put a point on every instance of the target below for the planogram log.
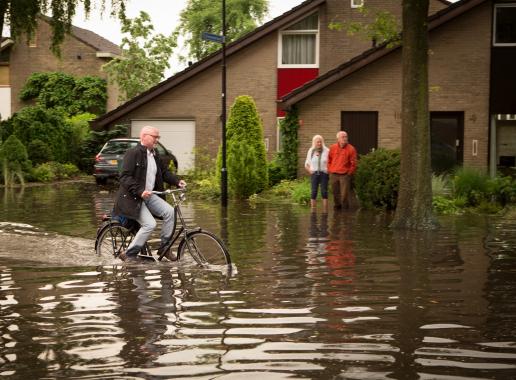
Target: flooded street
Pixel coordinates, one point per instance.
(314, 296)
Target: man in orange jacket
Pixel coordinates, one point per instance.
(342, 163)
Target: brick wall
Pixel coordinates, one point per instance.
(199, 98)
(76, 59)
(458, 75)
(336, 46)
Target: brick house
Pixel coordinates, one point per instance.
(472, 84)
(264, 64)
(82, 53)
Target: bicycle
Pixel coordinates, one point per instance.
(115, 235)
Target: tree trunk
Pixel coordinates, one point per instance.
(414, 208)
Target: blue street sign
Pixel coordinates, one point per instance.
(212, 37)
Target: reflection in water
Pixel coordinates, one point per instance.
(317, 295)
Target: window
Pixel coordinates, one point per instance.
(357, 3)
(505, 25)
(298, 45)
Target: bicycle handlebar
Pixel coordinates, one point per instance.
(169, 191)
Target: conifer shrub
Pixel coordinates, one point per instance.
(14, 161)
(377, 179)
(244, 136)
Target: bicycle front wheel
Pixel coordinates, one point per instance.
(205, 248)
(113, 240)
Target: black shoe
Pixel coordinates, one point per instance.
(125, 257)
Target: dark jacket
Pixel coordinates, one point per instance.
(133, 177)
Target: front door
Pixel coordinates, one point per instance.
(447, 140)
(362, 129)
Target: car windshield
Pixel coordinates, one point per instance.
(118, 147)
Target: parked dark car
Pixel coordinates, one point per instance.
(109, 160)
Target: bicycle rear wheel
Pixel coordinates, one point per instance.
(205, 248)
(113, 240)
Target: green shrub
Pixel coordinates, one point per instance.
(14, 160)
(301, 192)
(441, 185)
(245, 144)
(275, 172)
(284, 188)
(377, 179)
(472, 185)
(205, 188)
(64, 92)
(48, 126)
(242, 179)
(39, 152)
(51, 171)
(503, 189)
(445, 205)
(43, 173)
(287, 156)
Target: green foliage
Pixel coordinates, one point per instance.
(242, 16)
(377, 179)
(242, 181)
(295, 190)
(301, 192)
(441, 185)
(144, 57)
(379, 26)
(287, 156)
(444, 205)
(51, 171)
(67, 93)
(21, 16)
(503, 189)
(472, 185)
(244, 133)
(79, 134)
(46, 125)
(14, 160)
(39, 152)
(275, 172)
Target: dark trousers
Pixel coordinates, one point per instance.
(341, 186)
(319, 178)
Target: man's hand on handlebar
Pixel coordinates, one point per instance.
(181, 184)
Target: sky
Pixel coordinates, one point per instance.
(164, 15)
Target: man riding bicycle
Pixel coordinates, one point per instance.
(143, 172)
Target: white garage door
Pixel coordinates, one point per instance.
(177, 136)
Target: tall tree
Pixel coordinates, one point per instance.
(21, 16)
(145, 57)
(199, 16)
(414, 209)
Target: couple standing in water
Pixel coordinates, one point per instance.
(332, 166)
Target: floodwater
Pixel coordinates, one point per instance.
(313, 296)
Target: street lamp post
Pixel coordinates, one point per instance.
(224, 172)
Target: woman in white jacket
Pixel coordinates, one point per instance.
(317, 165)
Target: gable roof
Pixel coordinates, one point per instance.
(371, 55)
(99, 43)
(213, 59)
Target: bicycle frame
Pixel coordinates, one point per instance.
(182, 232)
